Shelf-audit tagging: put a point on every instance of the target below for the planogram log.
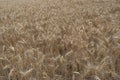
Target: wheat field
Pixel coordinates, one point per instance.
(59, 39)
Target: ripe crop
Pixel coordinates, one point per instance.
(60, 40)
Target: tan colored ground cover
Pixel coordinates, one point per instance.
(60, 40)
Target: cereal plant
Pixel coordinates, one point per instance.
(59, 39)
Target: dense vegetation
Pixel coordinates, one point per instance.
(60, 40)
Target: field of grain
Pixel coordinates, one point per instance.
(59, 39)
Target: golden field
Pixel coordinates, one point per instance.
(60, 40)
